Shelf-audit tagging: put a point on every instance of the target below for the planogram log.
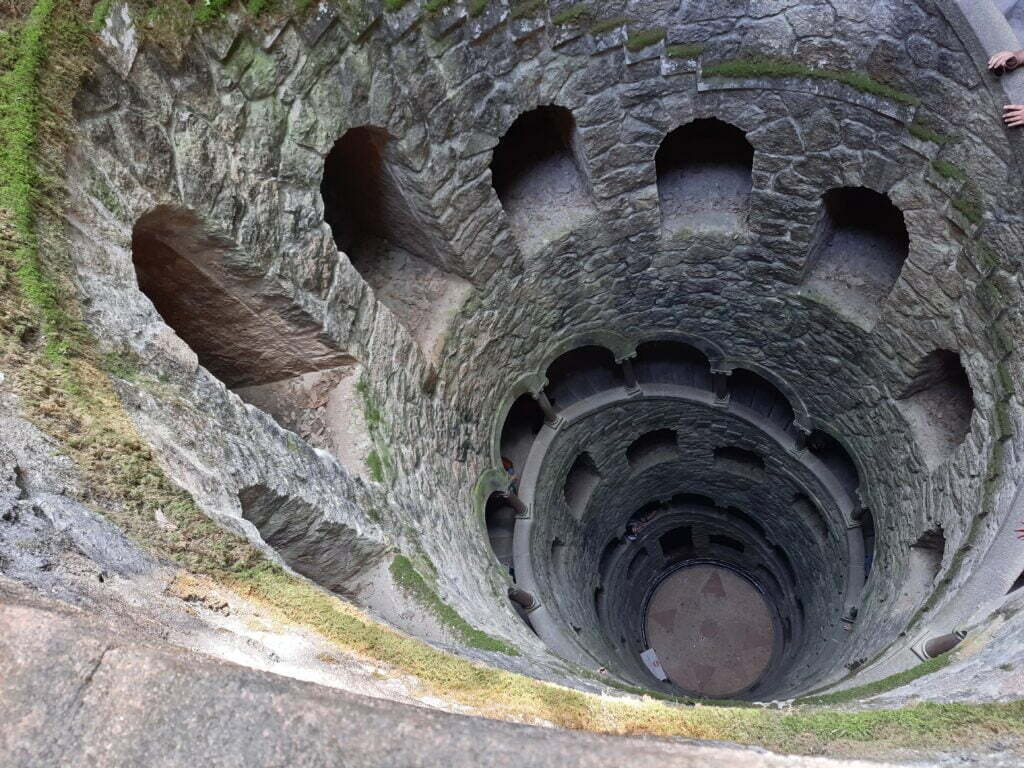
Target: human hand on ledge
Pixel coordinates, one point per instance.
(1013, 115)
(1005, 61)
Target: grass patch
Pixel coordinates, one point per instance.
(99, 15)
(644, 38)
(433, 6)
(574, 15)
(883, 685)
(924, 132)
(766, 66)
(477, 7)
(947, 170)
(970, 207)
(409, 580)
(685, 51)
(607, 25)
(527, 9)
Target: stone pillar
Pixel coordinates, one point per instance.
(800, 435)
(523, 599)
(629, 374)
(551, 418)
(720, 384)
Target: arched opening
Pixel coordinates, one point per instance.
(923, 566)
(867, 532)
(652, 448)
(857, 253)
(580, 483)
(316, 545)
(739, 461)
(938, 405)
(607, 555)
(581, 373)
(522, 425)
(539, 175)
(500, 517)
(370, 206)
(837, 461)
(728, 542)
(758, 394)
(805, 509)
(670, 362)
(704, 177)
(677, 543)
(248, 332)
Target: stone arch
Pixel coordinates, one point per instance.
(837, 460)
(760, 395)
(801, 413)
(500, 517)
(540, 176)
(522, 424)
(581, 373)
(938, 404)
(741, 462)
(580, 482)
(856, 254)
(369, 204)
(672, 362)
(704, 171)
(251, 332)
(652, 448)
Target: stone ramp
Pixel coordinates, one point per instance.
(74, 691)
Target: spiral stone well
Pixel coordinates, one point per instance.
(675, 346)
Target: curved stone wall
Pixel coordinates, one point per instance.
(452, 310)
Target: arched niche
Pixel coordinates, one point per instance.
(741, 462)
(581, 373)
(677, 543)
(704, 173)
(836, 458)
(500, 517)
(672, 362)
(522, 425)
(371, 207)
(938, 404)
(755, 392)
(539, 175)
(655, 447)
(250, 332)
(580, 483)
(857, 253)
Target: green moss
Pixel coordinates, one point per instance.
(527, 8)
(409, 580)
(394, 5)
(477, 7)
(574, 15)
(99, 15)
(926, 133)
(883, 685)
(644, 38)
(375, 466)
(970, 207)
(947, 170)
(433, 6)
(769, 67)
(607, 25)
(686, 51)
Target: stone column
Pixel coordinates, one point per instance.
(629, 374)
(720, 384)
(800, 435)
(522, 598)
(551, 418)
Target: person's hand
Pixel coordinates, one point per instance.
(1001, 59)
(1013, 115)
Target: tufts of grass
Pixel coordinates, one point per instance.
(947, 170)
(685, 51)
(970, 207)
(527, 9)
(477, 7)
(607, 25)
(924, 132)
(644, 38)
(574, 15)
(433, 6)
(99, 15)
(883, 685)
(409, 580)
(770, 67)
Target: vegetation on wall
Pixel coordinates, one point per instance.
(67, 388)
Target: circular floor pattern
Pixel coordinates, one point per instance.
(711, 630)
